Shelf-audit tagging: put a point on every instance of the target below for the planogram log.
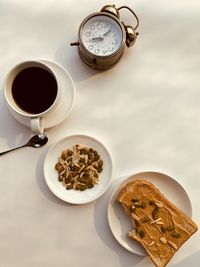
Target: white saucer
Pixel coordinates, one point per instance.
(68, 96)
(119, 222)
(74, 196)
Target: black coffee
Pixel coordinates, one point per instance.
(34, 89)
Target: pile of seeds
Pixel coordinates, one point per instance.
(79, 167)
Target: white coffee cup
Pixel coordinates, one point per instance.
(58, 108)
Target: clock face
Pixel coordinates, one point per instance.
(102, 35)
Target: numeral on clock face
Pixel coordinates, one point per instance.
(99, 25)
(96, 51)
(92, 27)
(88, 33)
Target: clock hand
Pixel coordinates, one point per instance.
(100, 38)
(107, 33)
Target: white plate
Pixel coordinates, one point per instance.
(73, 196)
(119, 222)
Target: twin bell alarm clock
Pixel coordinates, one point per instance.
(102, 37)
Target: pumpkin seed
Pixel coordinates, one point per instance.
(64, 155)
(82, 160)
(170, 228)
(176, 235)
(100, 163)
(96, 175)
(96, 157)
(69, 186)
(135, 200)
(90, 155)
(137, 230)
(163, 229)
(84, 151)
(143, 205)
(151, 202)
(142, 233)
(69, 152)
(61, 169)
(145, 219)
(83, 187)
(67, 180)
(137, 223)
(57, 166)
(90, 185)
(155, 213)
(60, 178)
(100, 169)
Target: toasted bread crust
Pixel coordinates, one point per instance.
(153, 213)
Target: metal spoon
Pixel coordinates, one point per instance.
(35, 141)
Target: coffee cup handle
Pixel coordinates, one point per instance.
(36, 125)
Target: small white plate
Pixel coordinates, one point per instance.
(74, 196)
(119, 222)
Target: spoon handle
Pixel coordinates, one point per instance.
(2, 153)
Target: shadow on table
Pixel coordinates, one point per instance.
(68, 57)
(11, 130)
(193, 260)
(101, 223)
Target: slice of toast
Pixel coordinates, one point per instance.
(159, 226)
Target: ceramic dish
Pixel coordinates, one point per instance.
(74, 196)
(119, 222)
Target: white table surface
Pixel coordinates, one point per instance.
(145, 110)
